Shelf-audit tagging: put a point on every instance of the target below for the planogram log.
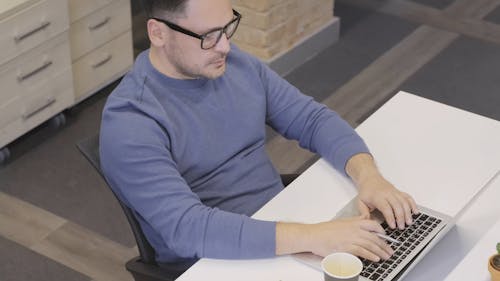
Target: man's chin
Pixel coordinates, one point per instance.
(216, 72)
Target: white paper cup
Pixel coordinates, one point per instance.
(341, 267)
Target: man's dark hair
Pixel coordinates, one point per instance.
(162, 8)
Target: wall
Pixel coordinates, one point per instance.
(271, 28)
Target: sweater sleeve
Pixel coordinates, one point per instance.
(315, 126)
(140, 168)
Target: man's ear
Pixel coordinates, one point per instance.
(156, 33)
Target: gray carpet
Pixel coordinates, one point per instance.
(365, 35)
(494, 16)
(465, 75)
(438, 4)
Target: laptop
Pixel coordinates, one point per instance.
(410, 245)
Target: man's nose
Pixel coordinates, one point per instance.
(223, 46)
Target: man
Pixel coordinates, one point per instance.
(182, 143)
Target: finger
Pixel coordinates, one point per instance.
(371, 226)
(374, 246)
(385, 208)
(398, 211)
(363, 253)
(363, 210)
(407, 209)
(413, 204)
(382, 248)
(380, 242)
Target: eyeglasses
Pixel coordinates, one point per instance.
(212, 37)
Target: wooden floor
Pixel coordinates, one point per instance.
(95, 257)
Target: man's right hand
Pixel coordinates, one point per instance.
(352, 235)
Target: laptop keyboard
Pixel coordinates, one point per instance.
(413, 239)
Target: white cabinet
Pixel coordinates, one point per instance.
(35, 65)
(25, 29)
(101, 43)
(106, 63)
(55, 53)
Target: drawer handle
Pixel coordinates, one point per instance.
(47, 103)
(23, 77)
(102, 62)
(23, 36)
(99, 24)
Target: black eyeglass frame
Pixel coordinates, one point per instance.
(222, 30)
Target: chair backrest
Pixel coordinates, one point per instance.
(90, 149)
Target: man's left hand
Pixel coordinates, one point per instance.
(397, 207)
(375, 192)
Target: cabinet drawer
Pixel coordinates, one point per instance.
(25, 74)
(9, 111)
(32, 110)
(96, 69)
(99, 27)
(9, 7)
(32, 26)
(51, 98)
(80, 8)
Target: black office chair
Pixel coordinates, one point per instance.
(144, 267)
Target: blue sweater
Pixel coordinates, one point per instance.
(188, 155)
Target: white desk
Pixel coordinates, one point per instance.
(475, 265)
(421, 146)
(470, 228)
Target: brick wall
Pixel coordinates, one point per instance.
(271, 27)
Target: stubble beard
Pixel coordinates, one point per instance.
(211, 70)
(216, 67)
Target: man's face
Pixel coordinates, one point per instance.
(184, 52)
